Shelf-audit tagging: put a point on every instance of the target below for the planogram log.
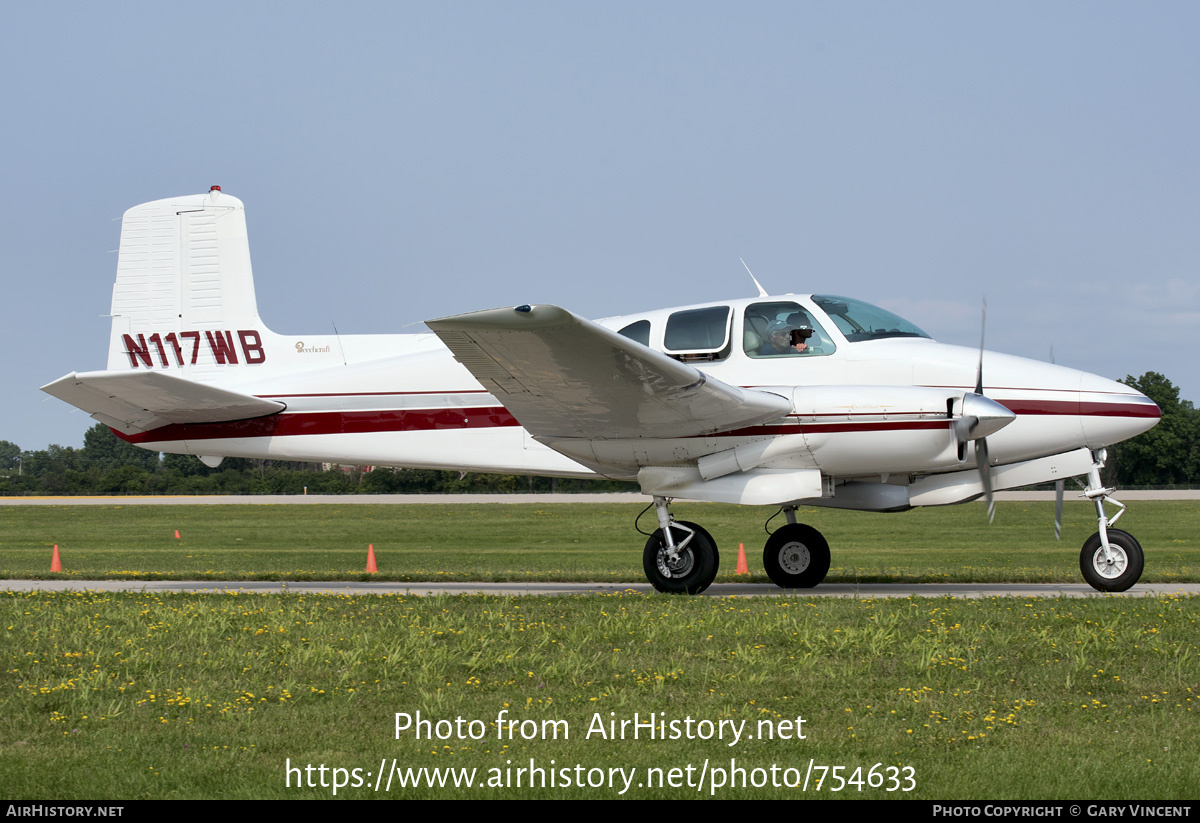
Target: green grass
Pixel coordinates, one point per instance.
(552, 542)
(137, 695)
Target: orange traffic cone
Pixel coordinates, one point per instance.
(55, 562)
(742, 567)
(177, 534)
(371, 559)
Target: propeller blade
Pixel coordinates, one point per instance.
(1059, 487)
(988, 416)
(985, 473)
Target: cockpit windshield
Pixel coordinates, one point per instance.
(862, 321)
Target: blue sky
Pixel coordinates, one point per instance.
(404, 161)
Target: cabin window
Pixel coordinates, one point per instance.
(639, 331)
(698, 334)
(778, 328)
(862, 321)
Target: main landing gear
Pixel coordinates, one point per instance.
(796, 556)
(1111, 560)
(680, 557)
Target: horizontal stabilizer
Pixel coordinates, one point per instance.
(563, 376)
(134, 402)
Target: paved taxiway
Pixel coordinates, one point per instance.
(864, 590)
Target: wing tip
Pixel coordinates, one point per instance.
(525, 316)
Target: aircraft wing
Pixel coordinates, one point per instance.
(563, 376)
(138, 401)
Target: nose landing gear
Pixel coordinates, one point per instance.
(1111, 560)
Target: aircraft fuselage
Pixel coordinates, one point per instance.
(868, 408)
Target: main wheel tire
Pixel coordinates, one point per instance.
(1125, 567)
(796, 557)
(695, 569)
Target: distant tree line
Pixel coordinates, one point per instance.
(1167, 455)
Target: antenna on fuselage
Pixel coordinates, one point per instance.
(761, 291)
(341, 351)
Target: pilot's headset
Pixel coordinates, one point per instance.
(800, 322)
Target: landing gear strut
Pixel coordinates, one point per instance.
(680, 557)
(796, 556)
(1111, 560)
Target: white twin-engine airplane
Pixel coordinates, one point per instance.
(781, 401)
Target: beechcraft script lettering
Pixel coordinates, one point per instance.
(177, 349)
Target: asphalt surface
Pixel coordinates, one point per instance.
(862, 590)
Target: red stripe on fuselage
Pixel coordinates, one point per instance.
(1084, 409)
(369, 422)
(379, 393)
(305, 423)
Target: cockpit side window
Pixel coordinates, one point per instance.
(862, 321)
(783, 329)
(698, 334)
(639, 331)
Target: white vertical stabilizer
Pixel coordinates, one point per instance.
(184, 296)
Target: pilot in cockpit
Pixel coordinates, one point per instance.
(784, 338)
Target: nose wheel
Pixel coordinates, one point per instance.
(1111, 560)
(1114, 568)
(796, 557)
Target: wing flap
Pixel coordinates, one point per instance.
(134, 402)
(563, 376)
